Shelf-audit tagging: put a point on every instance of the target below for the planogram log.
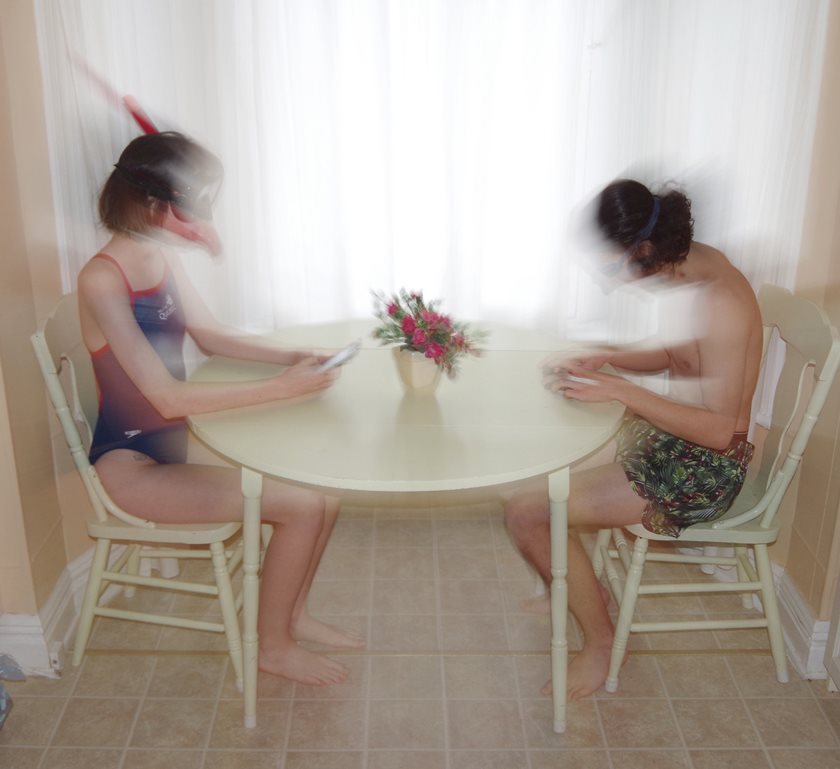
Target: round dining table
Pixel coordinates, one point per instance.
(490, 428)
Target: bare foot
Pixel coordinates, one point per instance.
(306, 667)
(587, 673)
(306, 628)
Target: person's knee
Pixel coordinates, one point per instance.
(310, 512)
(523, 513)
(305, 511)
(331, 506)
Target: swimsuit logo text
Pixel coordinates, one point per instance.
(168, 308)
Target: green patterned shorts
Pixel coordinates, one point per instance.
(683, 482)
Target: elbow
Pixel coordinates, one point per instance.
(720, 437)
(167, 405)
(719, 444)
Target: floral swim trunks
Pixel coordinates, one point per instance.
(683, 482)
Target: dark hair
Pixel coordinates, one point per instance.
(629, 214)
(154, 169)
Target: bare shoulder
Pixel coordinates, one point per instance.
(102, 293)
(99, 278)
(728, 298)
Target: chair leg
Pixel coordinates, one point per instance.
(601, 541)
(746, 598)
(228, 606)
(625, 612)
(771, 611)
(132, 567)
(97, 567)
(622, 547)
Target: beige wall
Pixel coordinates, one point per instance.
(813, 560)
(33, 553)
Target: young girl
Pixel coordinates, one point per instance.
(136, 304)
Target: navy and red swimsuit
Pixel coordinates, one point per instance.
(127, 420)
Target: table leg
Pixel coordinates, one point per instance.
(558, 496)
(252, 495)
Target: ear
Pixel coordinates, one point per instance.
(645, 250)
(197, 231)
(641, 258)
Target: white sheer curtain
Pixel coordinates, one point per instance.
(443, 145)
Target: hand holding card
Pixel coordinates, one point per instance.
(341, 357)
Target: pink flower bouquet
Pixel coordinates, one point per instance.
(412, 323)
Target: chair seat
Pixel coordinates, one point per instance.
(747, 533)
(163, 533)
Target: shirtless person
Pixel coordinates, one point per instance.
(701, 426)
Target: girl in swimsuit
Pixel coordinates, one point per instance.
(136, 305)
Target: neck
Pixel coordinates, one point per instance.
(136, 248)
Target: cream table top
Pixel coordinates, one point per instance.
(495, 424)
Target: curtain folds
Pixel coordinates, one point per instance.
(442, 145)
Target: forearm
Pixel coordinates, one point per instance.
(231, 344)
(697, 424)
(181, 399)
(638, 359)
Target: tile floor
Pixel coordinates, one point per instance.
(450, 679)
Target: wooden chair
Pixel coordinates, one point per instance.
(68, 374)
(812, 354)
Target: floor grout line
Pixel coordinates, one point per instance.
(137, 713)
(215, 713)
(439, 631)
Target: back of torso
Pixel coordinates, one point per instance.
(726, 290)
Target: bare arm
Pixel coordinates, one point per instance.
(711, 422)
(638, 359)
(215, 338)
(585, 364)
(105, 302)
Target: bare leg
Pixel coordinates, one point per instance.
(199, 493)
(304, 626)
(600, 496)
(541, 604)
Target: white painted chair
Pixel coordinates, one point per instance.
(68, 374)
(812, 354)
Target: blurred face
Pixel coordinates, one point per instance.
(201, 232)
(615, 262)
(190, 212)
(195, 201)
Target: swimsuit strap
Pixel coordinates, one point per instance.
(108, 257)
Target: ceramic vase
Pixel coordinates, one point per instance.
(419, 375)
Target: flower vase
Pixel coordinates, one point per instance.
(418, 373)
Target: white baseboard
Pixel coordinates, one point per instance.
(31, 638)
(805, 637)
